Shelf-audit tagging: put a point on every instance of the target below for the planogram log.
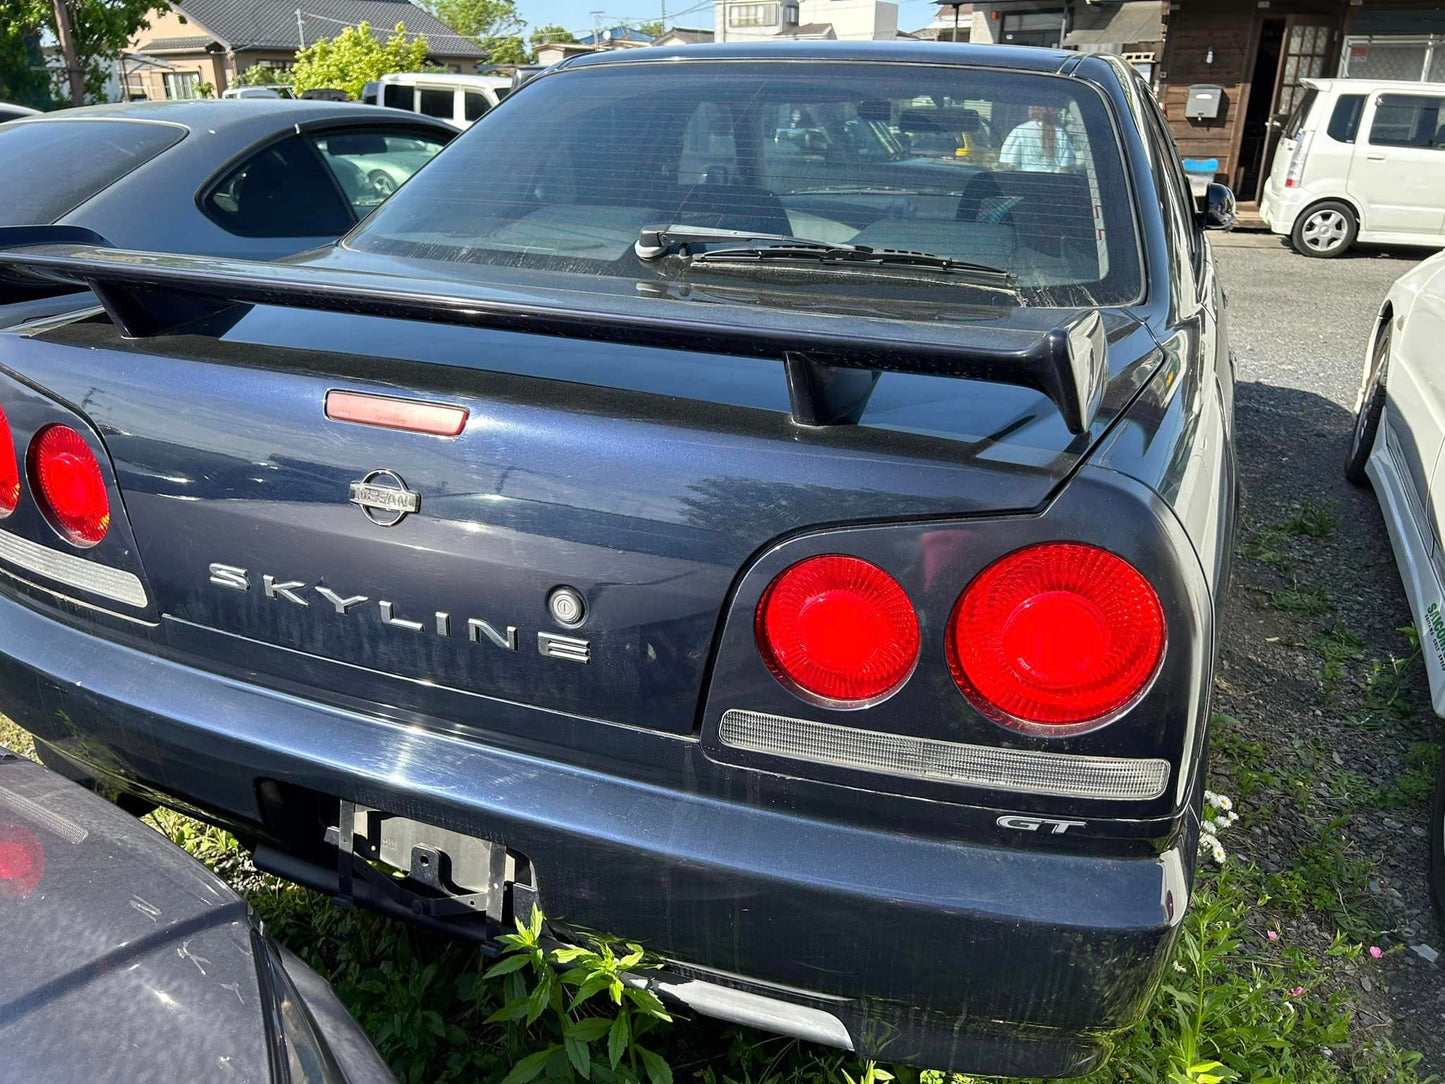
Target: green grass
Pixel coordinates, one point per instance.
(1309, 601)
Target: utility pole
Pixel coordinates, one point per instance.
(300, 29)
(73, 69)
(663, 4)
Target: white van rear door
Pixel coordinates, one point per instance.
(1398, 173)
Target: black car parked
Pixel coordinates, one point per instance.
(695, 503)
(125, 960)
(253, 179)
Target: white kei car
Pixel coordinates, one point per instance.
(1397, 442)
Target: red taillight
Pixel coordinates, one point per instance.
(22, 861)
(9, 469)
(1058, 635)
(66, 480)
(838, 628)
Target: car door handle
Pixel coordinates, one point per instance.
(1375, 157)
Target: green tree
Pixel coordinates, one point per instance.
(479, 18)
(494, 23)
(552, 32)
(24, 79)
(654, 29)
(356, 56)
(98, 29)
(258, 75)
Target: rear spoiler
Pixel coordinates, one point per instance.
(830, 374)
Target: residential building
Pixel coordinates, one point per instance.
(843, 20)
(681, 35)
(213, 41)
(599, 41)
(1259, 51)
(953, 21)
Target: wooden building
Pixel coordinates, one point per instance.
(1259, 51)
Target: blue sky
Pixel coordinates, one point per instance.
(576, 15)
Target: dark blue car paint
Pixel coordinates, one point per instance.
(898, 906)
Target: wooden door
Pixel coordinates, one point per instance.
(1309, 52)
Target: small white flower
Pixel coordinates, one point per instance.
(1233, 816)
(1209, 827)
(1179, 967)
(1218, 852)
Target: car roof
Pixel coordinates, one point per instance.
(218, 115)
(1015, 57)
(1365, 86)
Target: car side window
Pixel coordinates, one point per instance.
(1407, 120)
(438, 103)
(282, 190)
(400, 97)
(475, 105)
(370, 165)
(1344, 123)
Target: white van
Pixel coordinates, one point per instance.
(258, 92)
(1360, 160)
(460, 99)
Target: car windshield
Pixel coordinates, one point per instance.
(1004, 169)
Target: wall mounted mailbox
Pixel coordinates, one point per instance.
(1204, 102)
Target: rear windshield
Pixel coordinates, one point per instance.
(77, 158)
(1294, 124)
(1010, 170)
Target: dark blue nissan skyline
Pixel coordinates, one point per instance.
(768, 502)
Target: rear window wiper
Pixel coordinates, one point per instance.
(656, 241)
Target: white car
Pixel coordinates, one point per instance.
(1360, 160)
(10, 111)
(1398, 437)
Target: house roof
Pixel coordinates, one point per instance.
(1117, 24)
(681, 35)
(271, 24)
(192, 44)
(615, 33)
(812, 30)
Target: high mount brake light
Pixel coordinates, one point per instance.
(1056, 638)
(68, 485)
(9, 469)
(838, 630)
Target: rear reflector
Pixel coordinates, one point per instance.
(115, 584)
(1021, 770)
(410, 415)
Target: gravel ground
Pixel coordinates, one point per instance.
(1335, 726)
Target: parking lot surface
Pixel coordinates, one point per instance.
(1329, 744)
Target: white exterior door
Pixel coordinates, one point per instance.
(1398, 174)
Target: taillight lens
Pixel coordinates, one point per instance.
(9, 469)
(1055, 636)
(1297, 160)
(68, 485)
(839, 629)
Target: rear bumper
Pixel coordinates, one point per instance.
(1280, 208)
(983, 959)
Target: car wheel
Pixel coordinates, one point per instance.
(1437, 847)
(1325, 230)
(381, 182)
(1372, 407)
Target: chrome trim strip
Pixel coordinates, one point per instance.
(112, 583)
(1024, 771)
(744, 1007)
